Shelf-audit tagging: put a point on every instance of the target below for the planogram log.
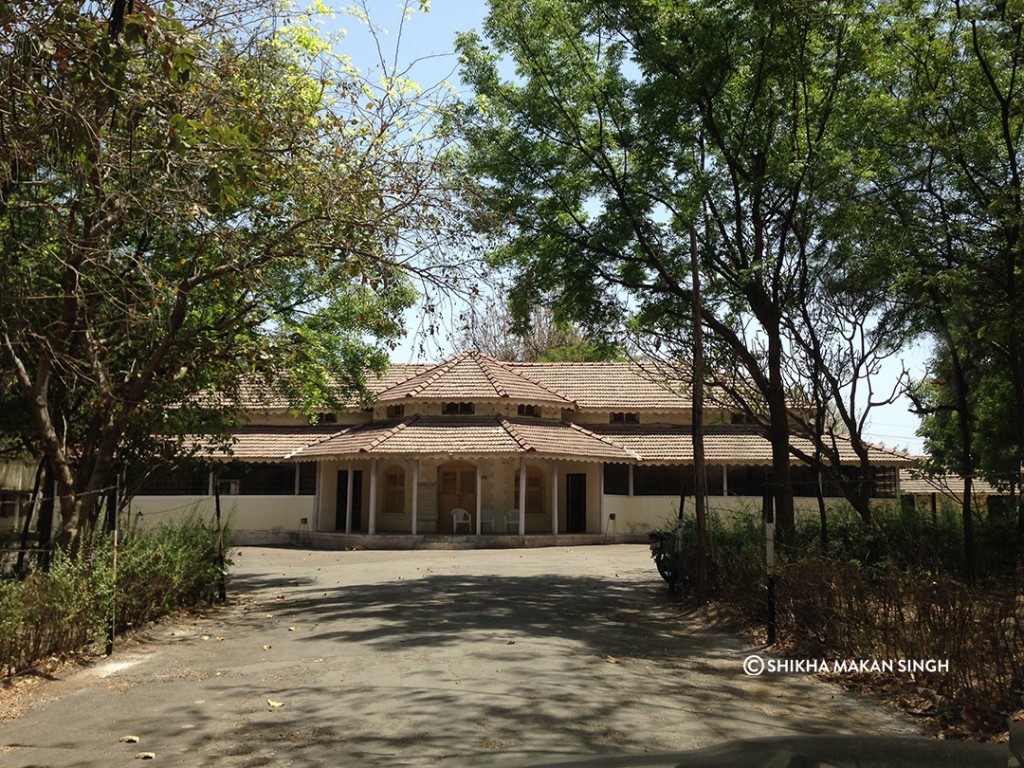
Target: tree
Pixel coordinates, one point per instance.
(955, 197)
(631, 124)
(540, 338)
(188, 197)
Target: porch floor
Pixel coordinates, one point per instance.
(342, 541)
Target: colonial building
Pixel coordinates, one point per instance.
(476, 446)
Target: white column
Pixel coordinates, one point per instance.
(554, 499)
(415, 493)
(479, 499)
(725, 479)
(631, 480)
(316, 499)
(348, 500)
(600, 502)
(522, 496)
(372, 528)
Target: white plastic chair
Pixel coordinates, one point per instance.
(487, 521)
(461, 517)
(512, 520)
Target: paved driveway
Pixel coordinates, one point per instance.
(468, 658)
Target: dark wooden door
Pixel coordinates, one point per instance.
(456, 488)
(576, 502)
(357, 500)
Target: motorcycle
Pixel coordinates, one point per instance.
(667, 560)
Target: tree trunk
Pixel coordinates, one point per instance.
(822, 515)
(967, 462)
(45, 525)
(778, 434)
(19, 567)
(699, 484)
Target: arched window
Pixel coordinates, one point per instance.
(394, 491)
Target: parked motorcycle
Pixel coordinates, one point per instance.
(667, 559)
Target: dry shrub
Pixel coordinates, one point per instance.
(65, 609)
(888, 592)
(850, 611)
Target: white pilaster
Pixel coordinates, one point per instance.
(522, 496)
(554, 499)
(348, 499)
(372, 528)
(479, 499)
(415, 494)
(316, 499)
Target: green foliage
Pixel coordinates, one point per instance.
(69, 607)
(636, 136)
(188, 202)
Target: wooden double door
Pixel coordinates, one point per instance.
(456, 489)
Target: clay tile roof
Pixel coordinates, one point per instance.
(474, 376)
(619, 386)
(466, 436)
(265, 443)
(915, 483)
(559, 438)
(722, 445)
(254, 393)
(439, 436)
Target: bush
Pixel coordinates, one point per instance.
(888, 590)
(67, 608)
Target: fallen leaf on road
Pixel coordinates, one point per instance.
(270, 615)
(219, 638)
(293, 629)
(205, 637)
(275, 704)
(129, 739)
(146, 756)
(613, 660)
(267, 647)
(510, 642)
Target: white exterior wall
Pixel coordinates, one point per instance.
(635, 514)
(240, 513)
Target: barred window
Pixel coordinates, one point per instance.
(616, 479)
(176, 482)
(622, 417)
(307, 478)
(671, 480)
(260, 479)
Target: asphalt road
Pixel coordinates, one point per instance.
(457, 658)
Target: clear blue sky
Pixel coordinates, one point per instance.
(428, 39)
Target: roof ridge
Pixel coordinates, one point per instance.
(602, 438)
(476, 355)
(514, 434)
(441, 368)
(546, 387)
(383, 438)
(322, 439)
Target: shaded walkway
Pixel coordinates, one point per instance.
(428, 658)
